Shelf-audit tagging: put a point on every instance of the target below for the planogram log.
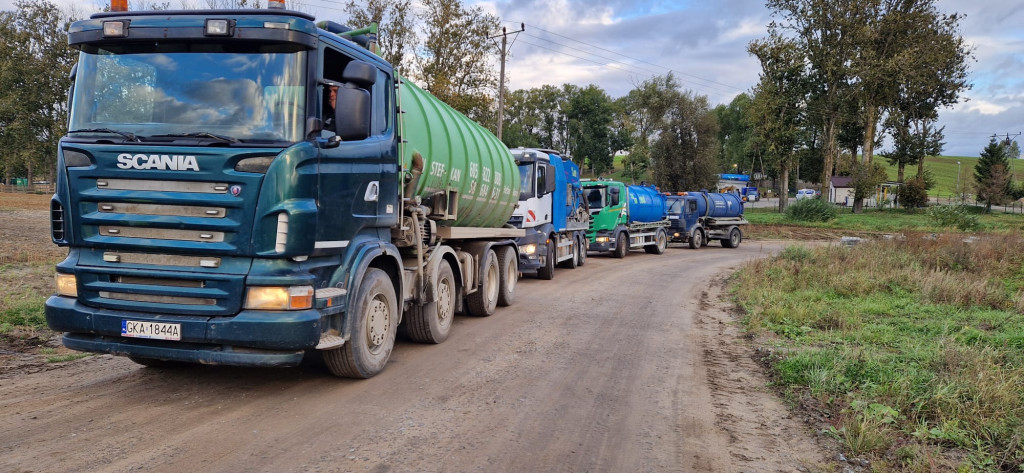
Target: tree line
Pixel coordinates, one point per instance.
(835, 78)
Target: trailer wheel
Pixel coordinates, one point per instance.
(697, 239)
(508, 264)
(373, 323)
(435, 325)
(571, 262)
(547, 272)
(482, 302)
(621, 246)
(660, 243)
(735, 237)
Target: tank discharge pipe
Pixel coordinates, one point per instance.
(414, 174)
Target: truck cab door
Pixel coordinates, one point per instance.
(358, 157)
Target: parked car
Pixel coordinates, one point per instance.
(806, 194)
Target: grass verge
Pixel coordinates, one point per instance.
(27, 285)
(913, 346)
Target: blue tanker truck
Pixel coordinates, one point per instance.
(249, 187)
(624, 217)
(552, 212)
(698, 217)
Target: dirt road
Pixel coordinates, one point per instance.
(620, 366)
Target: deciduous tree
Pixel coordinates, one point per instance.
(456, 57)
(395, 19)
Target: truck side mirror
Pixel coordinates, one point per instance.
(352, 116)
(549, 186)
(613, 196)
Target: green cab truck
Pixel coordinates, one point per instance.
(249, 187)
(625, 217)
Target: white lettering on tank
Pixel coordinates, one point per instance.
(456, 175)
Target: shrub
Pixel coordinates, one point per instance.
(953, 216)
(811, 210)
(912, 194)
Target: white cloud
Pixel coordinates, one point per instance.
(985, 107)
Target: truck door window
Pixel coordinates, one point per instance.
(332, 71)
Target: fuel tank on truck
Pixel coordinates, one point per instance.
(645, 204)
(718, 205)
(458, 154)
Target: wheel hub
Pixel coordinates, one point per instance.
(444, 301)
(378, 322)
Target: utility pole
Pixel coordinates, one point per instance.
(501, 85)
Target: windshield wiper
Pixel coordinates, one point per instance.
(201, 134)
(125, 134)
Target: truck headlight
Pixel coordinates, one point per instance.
(603, 239)
(67, 285)
(279, 297)
(528, 249)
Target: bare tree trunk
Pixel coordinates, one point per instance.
(830, 152)
(784, 187)
(871, 116)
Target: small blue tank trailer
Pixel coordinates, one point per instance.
(697, 217)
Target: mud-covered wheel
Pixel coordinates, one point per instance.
(621, 247)
(482, 302)
(697, 239)
(660, 243)
(508, 264)
(155, 363)
(547, 271)
(735, 237)
(581, 257)
(373, 323)
(433, 326)
(571, 262)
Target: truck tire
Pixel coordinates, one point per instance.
(735, 237)
(621, 245)
(660, 243)
(571, 262)
(482, 302)
(508, 264)
(581, 257)
(547, 272)
(372, 323)
(433, 326)
(697, 239)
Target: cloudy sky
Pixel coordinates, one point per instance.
(617, 44)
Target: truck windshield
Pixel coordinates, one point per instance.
(526, 180)
(595, 197)
(675, 206)
(252, 93)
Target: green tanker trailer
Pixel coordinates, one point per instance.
(242, 187)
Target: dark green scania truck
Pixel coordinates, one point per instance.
(218, 210)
